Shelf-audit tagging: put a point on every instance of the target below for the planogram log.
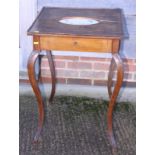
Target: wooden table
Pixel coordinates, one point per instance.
(61, 29)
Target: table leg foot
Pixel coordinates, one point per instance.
(114, 151)
(34, 83)
(53, 75)
(37, 135)
(113, 95)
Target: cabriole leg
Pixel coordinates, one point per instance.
(113, 95)
(34, 83)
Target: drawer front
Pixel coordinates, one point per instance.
(75, 44)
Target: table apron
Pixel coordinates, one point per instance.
(76, 44)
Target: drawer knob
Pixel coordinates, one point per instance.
(75, 42)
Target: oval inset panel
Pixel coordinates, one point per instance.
(78, 21)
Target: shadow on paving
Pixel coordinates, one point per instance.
(76, 126)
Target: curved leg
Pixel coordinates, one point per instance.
(52, 69)
(39, 74)
(113, 97)
(31, 72)
(110, 75)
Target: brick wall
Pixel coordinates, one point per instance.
(86, 70)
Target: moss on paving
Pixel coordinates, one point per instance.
(85, 104)
(75, 106)
(93, 105)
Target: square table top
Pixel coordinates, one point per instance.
(48, 22)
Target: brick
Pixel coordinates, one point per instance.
(100, 82)
(97, 83)
(135, 76)
(45, 72)
(49, 80)
(94, 59)
(66, 57)
(24, 81)
(105, 82)
(101, 66)
(128, 76)
(79, 65)
(60, 73)
(44, 64)
(61, 80)
(130, 61)
(45, 79)
(79, 81)
(129, 84)
(66, 73)
(129, 68)
(92, 74)
(58, 64)
(59, 57)
(124, 84)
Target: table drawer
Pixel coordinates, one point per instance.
(75, 44)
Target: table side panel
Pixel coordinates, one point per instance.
(75, 44)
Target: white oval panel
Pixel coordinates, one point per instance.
(78, 21)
